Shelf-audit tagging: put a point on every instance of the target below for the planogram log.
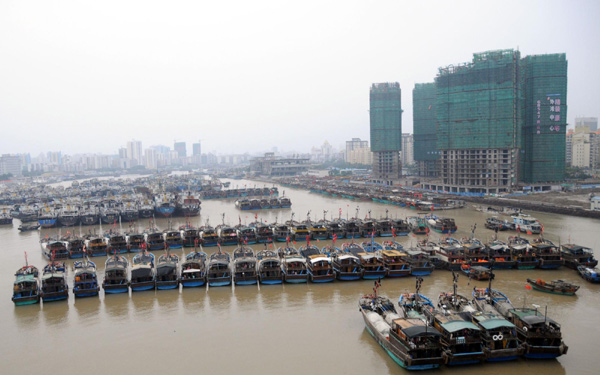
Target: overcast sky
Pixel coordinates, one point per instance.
(87, 76)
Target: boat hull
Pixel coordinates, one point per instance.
(143, 286)
(192, 284)
(21, 301)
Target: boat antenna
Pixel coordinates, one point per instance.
(324, 215)
(454, 281)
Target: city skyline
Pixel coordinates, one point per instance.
(253, 76)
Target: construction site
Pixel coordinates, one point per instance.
(494, 124)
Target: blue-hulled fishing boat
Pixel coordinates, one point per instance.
(193, 270)
(269, 267)
(26, 289)
(116, 278)
(85, 280)
(167, 271)
(218, 270)
(143, 274)
(244, 266)
(54, 282)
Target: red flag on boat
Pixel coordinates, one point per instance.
(334, 237)
(394, 232)
(307, 240)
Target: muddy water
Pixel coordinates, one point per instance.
(292, 329)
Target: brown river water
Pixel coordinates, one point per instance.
(289, 329)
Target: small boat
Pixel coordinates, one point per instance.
(26, 289)
(441, 224)
(227, 235)
(500, 255)
(526, 224)
(392, 245)
(244, 266)
(208, 236)
(293, 265)
(155, 240)
(269, 267)
(417, 225)
(497, 224)
(590, 274)
(400, 228)
(218, 272)
(475, 252)
(117, 242)
(450, 254)
(476, 272)
(193, 270)
(76, 246)
(143, 274)
(554, 286)
(281, 233)
(247, 235)
(372, 263)
(547, 253)
(116, 278)
(408, 341)
(136, 242)
(85, 280)
(54, 282)
(25, 227)
(167, 271)
(55, 249)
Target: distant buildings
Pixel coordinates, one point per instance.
(11, 164)
(406, 154)
(583, 147)
(179, 147)
(500, 121)
(134, 151)
(270, 165)
(358, 152)
(386, 132)
(590, 122)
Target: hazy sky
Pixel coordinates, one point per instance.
(87, 76)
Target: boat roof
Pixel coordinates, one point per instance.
(531, 316)
(495, 323)
(25, 278)
(413, 327)
(392, 253)
(457, 325)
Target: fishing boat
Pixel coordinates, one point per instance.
(55, 249)
(164, 204)
(521, 253)
(353, 228)
(244, 266)
(384, 228)
(243, 204)
(173, 239)
(475, 252)
(576, 255)
(554, 286)
(418, 261)
(109, 212)
(372, 263)
(188, 205)
(336, 228)
(143, 274)
(417, 225)
(320, 269)
(190, 235)
(547, 253)
(85, 280)
(526, 224)
(285, 202)
(116, 278)
(318, 230)
(590, 274)
(461, 339)
(68, 216)
(193, 270)
(218, 273)
(47, 217)
(400, 228)
(395, 263)
(89, 214)
(450, 254)
(136, 242)
(540, 336)
(155, 240)
(54, 282)
(442, 225)
(346, 266)
(167, 271)
(371, 246)
(130, 211)
(500, 255)
(264, 232)
(269, 267)
(208, 236)
(298, 231)
(281, 233)
(392, 245)
(146, 209)
(75, 245)
(117, 243)
(247, 235)
(26, 288)
(96, 245)
(293, 265)
(227, 235)
(408, 341)
(476, 272)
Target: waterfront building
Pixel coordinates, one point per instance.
(585, 148)
(386, 132)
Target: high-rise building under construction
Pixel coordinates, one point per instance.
(499, 121)
(386, 131)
